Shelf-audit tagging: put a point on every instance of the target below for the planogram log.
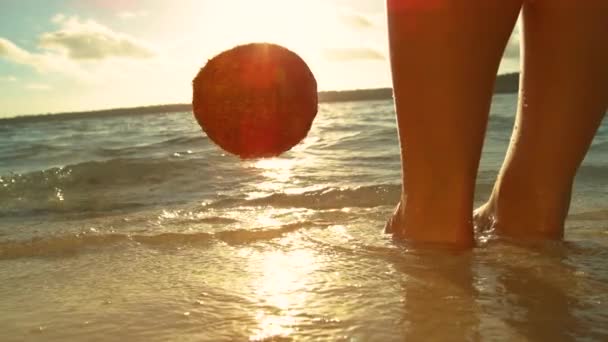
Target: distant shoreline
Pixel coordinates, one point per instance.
(508, 83)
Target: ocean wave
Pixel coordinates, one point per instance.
(28, 151)
(594, 215)
(501, 122)
(593, 173)
(599, 145)
(68, 245)
(114, 172)
(332, 198)
(101, 185)
(165, 145)
(130, 183)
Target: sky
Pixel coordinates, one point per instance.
(74, 55)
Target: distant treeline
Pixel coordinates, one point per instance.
(507, 83)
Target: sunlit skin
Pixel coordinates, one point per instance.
(563, 100)
(444, 61)
(444, 57)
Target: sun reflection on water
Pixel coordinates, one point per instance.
(282, 289)
(283, 282)
(268, 219)
(277, 173)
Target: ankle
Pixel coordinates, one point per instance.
(433, 222)
(437, 228)
(525, 209)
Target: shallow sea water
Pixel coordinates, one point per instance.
(138, 228)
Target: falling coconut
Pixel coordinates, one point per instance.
(256, 100)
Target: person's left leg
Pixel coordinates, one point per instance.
(444, 58)
(563, 100)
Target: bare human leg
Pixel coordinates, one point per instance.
(563, 99)
(444, 58)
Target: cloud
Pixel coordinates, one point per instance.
(83, 50)
(14, 53)
(351, 54)
(356, 20)
(37, 86)
(57, 18)
(126, 15)
(42, 62)
(89, 40)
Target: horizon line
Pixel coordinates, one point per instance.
(151, 106)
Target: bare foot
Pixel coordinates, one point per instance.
(429, 229)
(523, 216)
(483, 219)
(395, 221)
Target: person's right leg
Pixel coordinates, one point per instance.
(563, 99)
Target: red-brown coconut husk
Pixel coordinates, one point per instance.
(255, 100)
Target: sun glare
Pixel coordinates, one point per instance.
(203, 29)
(297, 25)
(277, 173)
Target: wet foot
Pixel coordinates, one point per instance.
(517, 221)
(395, 221)
(483, 219)
(429, 229)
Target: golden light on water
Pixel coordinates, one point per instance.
(267, 220)
(283, 286)
(275, 167)
(277, 172)
(272, 326)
